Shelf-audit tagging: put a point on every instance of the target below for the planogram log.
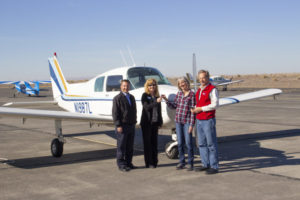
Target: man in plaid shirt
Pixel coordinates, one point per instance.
(185, 121)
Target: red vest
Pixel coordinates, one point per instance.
(204, 101)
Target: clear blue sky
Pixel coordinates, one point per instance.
(228, 36)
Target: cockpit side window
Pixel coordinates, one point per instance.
(113, 83)
(99, 84)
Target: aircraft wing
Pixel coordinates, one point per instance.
(40, 82)
(50, 114)
(227, 83)
(9, 82)
(248, 96)
(30, 103)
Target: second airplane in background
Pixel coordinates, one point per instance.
(217, 81)
(25, 87)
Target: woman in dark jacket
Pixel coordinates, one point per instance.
(151, 121)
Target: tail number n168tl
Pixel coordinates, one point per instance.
(82, 107)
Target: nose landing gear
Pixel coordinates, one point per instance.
(171, 148)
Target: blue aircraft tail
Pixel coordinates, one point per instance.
(37, 86)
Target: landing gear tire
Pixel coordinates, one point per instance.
(173, 152)
(57, 148)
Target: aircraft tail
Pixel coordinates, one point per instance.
(58, 81)
(36, 86)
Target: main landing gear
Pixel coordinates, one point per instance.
(57, 148)
(57, 144)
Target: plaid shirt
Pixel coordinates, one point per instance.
(183, 107)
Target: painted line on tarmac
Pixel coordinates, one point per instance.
(96, 141)
(100, 142)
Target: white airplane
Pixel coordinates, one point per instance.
(92, 101)
(217, 81)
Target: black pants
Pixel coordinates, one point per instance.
(125, 142)
(150, 133)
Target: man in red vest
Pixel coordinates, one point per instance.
(207, 100)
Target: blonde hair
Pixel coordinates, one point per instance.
(183, 79)
(149, 82)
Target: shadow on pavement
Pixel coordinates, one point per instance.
(244, 152)
(240, 152)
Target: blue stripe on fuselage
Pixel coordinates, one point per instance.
(63, 97)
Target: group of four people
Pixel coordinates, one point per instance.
(191, 109)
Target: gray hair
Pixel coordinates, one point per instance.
(205, 72)
(183, 78)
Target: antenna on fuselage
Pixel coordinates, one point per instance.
(131, 56)
(123, 58)
(194, 72)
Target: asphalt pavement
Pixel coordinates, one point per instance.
(258, 144)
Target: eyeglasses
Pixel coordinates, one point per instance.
(151, 85)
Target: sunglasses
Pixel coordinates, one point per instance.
(151, 85)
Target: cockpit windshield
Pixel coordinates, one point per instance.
(138, 76)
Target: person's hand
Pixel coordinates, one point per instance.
(119, 129)
(190, 130)
(196, 110)
(164, 97)
(193, 110)
(159, 100)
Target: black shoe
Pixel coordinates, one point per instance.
(202, 168)
(212, 171)
(189, 168)
(124, 169)
(131, 166)
(180, 166)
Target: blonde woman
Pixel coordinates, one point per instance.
(185, 121)
(151, 121)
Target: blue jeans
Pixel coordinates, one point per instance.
(207, 140)
(184, 137)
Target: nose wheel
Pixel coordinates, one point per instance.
(57, 147)
(171, 150)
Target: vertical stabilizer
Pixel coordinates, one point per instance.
(58, 81)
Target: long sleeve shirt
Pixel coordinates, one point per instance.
(183, 105)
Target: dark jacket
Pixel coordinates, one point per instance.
(148, 104)
(122, 112)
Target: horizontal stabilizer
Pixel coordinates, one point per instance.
(231, 82)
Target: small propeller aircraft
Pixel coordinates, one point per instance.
(91, 101)
(25, 87)
(216, 81)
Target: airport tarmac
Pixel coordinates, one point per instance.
(258, 144)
